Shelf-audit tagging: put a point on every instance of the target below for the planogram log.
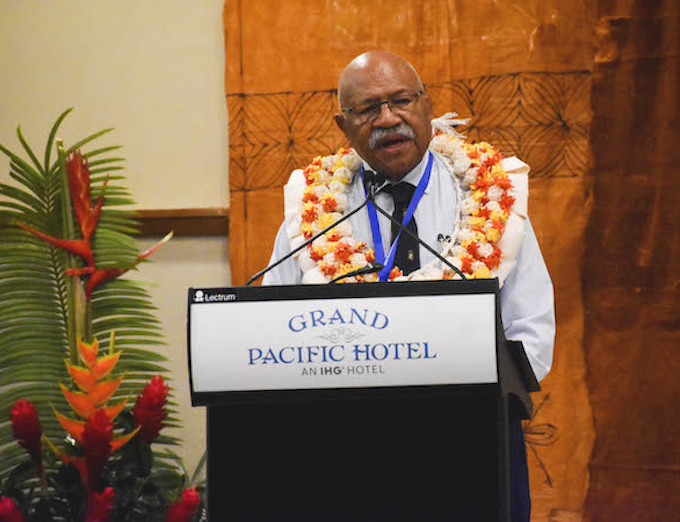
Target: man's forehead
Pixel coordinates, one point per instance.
(376, 75)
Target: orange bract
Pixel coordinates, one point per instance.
(90, 402)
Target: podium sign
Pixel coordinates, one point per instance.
(269, 339)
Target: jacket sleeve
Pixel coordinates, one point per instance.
(528, 306)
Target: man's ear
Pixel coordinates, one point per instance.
(341, 121)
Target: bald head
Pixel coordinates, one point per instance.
(385, 112)
(363, 71)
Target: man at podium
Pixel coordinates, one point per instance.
(463, 200)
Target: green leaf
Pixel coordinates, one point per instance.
(53, 133)
(28, 150)
(87, 140)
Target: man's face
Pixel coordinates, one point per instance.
(393, 150)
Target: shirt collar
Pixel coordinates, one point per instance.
(413, 176)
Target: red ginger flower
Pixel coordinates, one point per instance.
(27, 429)
(9, 511)
(183, 509)
(100, 505)
(149, 411)
(96, 443)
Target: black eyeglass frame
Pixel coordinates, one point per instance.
(373, 110)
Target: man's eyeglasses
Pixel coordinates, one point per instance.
(399, 103)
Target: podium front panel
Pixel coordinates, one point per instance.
(263, 340)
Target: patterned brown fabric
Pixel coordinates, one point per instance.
(524, 73)
(632, 252)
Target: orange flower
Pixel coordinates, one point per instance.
(343, 251)
(309, 213)
(314, 254)
(493, 260)
(327, 268)
(467, 264)
(94, 431)
(329, 203)
(394, 273)
(504, 182)
(506, 202)
(473, 250)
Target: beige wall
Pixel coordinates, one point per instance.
(154, 71)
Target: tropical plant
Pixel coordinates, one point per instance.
(65, 239)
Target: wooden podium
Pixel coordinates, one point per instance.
(296, 433)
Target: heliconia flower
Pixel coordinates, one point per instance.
(100, 505)
(94, 431)
(85, 404)
(87, 216)
(78, 173)
(27, 429)
(78, 247)
(9, 511)
(183, 509)
(149, 411)
(75, 428)
(95, 391)
(92, 438)
(100, 275)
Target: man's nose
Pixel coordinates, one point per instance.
(386, 117)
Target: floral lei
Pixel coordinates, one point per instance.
(479, 247)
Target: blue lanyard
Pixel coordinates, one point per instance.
(375, 225)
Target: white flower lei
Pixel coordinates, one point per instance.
(492, 206)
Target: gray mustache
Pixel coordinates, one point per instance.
(403, 129)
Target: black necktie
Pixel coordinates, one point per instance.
(407, 257)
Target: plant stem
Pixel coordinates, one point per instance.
(74, 324)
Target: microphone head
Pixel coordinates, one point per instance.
(374, 179)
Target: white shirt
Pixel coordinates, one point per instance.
(526, 298)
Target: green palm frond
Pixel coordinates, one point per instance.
(35, 292)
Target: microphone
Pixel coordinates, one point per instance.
(411, 234)
(370, 268)
(373, 181)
